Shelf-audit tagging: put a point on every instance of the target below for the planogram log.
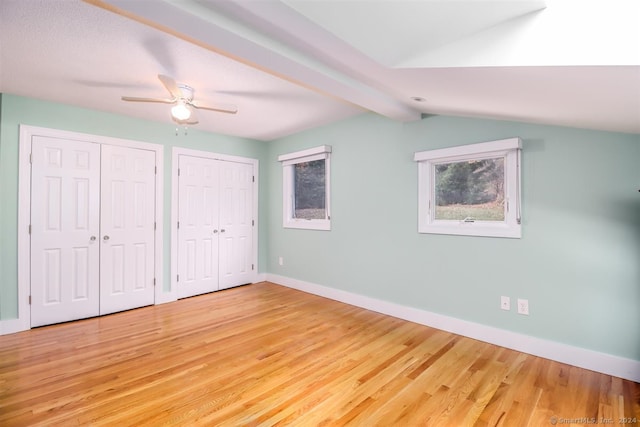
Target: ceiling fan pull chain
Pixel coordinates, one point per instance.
(185, 130)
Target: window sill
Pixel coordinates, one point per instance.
(308, 224)
(473, 229)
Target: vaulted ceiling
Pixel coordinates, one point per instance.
(291, 65)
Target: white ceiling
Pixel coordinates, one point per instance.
(294, 64)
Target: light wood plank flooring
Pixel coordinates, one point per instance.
(268, 355)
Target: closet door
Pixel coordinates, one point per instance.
(127, 224)
(236, 228)
(65, 200)
(198, 232)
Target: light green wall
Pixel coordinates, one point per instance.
(577, 262)
(15, 110)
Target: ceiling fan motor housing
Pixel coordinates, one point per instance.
(187, 92)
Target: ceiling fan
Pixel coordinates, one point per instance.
(182, 97)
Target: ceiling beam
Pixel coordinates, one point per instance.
(201, 24)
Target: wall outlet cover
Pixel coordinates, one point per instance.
(523, 306)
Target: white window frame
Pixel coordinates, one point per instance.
(510, 150)
(288, 161)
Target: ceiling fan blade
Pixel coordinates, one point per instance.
(136, 99)
(230, 109)
(170, 85)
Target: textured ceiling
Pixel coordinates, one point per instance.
(293, 65)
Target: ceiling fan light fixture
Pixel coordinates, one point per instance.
(180, 111)
(183, 112)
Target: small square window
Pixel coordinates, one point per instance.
(306, 189)
(471, 190)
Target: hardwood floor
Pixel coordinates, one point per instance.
(268, 355)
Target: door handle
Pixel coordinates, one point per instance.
(222, 230)
(92, 238)
(215, 231)
(105, 238)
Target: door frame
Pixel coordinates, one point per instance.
(179, 151)
(24, 208)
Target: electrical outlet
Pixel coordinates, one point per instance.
(505, 303)
(280, 261)
(523, 306)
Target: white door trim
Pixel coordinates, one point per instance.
(175, 153)
(24, 208)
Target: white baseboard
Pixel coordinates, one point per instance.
(583, 358)
(166, 297)
(12, 326)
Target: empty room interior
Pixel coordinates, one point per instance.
(314, 213)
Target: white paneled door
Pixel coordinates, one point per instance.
(127, 228)
(198, 226)
(236, 242)
(215, 236)
(65, 252)
(92, 237)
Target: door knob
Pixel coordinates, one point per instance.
(222, 230)
(215, 231)
(105, 238)
(92, 238)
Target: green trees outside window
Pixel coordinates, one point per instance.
(471, 189)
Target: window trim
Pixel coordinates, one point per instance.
(510, 150)
(288, 160)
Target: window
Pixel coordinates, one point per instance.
(471, 190)
(306, 188)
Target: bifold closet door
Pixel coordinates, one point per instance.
(65, 250)
(127, 224)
